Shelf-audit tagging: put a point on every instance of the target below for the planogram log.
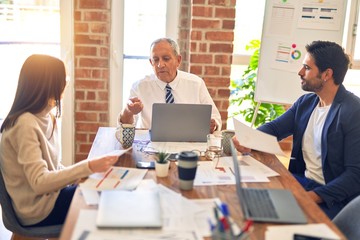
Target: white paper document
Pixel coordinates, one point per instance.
(222, 173)
(287, 232)
(255, 139)
(176, 147)
(119, 178)
(183, 219)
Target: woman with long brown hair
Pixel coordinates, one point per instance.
(39, 185)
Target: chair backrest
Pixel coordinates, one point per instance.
(348, 219)
(12, 223)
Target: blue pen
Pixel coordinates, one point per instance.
(123, 176)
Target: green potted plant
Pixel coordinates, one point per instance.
(162, 164)
(243, 92)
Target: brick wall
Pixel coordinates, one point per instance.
(91, 64)
(206, 37)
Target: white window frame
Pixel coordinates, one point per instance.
(117, 51)
(67, 55)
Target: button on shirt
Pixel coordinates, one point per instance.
(186, 88)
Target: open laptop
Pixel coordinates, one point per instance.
(274, 205)
(180, 122)
(130, 209)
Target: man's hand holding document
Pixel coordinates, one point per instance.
(255, 139)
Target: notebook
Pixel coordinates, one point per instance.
(129, 209)
(180, 122)
(274, 205)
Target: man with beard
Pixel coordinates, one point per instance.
(326, 130)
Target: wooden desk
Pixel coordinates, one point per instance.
(105, 142)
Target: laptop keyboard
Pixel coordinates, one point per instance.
(259, 203)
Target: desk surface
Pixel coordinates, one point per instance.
(105, 142)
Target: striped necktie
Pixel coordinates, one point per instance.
(169, 98)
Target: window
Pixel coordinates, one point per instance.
(22, 39)
(17, 19)
(143, 22)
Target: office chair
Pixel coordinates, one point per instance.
(348, 219)
(12, 224)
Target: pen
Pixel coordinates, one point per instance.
(105, 176)
(225, 212)
(123, 176)
(246, 228)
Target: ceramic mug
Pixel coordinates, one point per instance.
(125, 134)
(227, 136)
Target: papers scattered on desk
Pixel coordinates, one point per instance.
(221, 173)
(255, 139)
(287, 232)
(119, 178)
(183, 219)
(175, 147)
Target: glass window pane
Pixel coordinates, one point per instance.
(30, 28)
(144, 22)
(248, 24)
(134, 69)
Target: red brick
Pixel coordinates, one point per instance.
(206, 23)
(85, 51)
(90, 95)
(80, 157)
(87, 127)
(97, 16)
(79, 95)
(81, 137)
(89, 84)
(202, 11)
(103, 117)
(222, 48)
(212, 70)
(86, 39)
(197, 70)
(93, 62)
(223, 59)
(99, 28)
(81, 27)
(93, 106)
(102, 96)
(82, 73)
(86, 116)
(201, 58)
(220, 36)
(225, 13)
(94, 4)
(84, 148)
(196, 35)
(228, 24)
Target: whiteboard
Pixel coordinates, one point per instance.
(288, 26)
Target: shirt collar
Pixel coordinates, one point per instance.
(172, 84)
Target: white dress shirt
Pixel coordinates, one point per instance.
(186, 88)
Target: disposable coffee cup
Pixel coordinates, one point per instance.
(187, 165)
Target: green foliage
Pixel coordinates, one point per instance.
(243, 93)
(161, 157)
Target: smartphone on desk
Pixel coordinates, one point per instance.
(145, 165)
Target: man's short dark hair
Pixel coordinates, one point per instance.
(330, 55)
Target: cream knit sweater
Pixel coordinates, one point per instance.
(31, 166)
